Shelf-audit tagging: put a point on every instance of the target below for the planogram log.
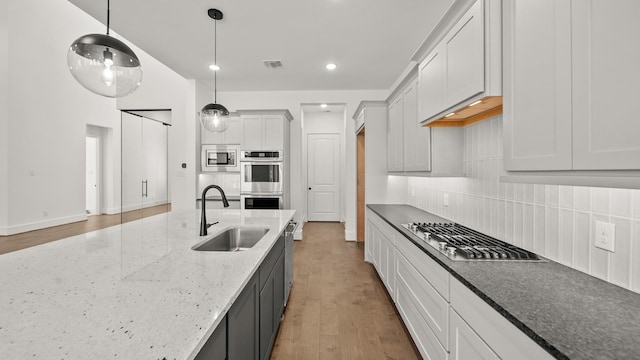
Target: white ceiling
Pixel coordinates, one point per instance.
(370, 40)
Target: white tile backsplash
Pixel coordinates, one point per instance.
(555, 221)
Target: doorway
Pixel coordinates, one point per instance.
(323, 161)
(92, 176)
(323, 177)
(360, 176)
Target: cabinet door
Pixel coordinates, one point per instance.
(428, 303)
(417, 139)
(421, 334)
(252, 132)
(243, 324)
(465, 343)
(279, 284)
(267, 316)
(430, 83)
(464, 49)
(605, 84)
(216, 346)
(395, 136)
(537, 84)
(233, 134)
(273, 128)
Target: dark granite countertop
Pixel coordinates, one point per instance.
(570, 314)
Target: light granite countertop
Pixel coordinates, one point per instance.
(132, 291)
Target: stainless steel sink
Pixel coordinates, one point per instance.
(233, 239)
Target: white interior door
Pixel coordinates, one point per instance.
(92, 176)
(323, 177)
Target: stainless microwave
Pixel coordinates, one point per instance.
(220, 158)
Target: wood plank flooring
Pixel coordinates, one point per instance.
(338, 307)
(37, 237)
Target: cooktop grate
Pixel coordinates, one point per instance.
(459, 242)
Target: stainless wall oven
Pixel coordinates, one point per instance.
(261, 202)
(261, 172)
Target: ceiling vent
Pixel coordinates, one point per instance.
(272, 64)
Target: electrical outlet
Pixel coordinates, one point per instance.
(45, 213)
(605, 236)
(445, 200)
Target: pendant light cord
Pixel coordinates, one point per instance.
(108, 15)
(215, 61)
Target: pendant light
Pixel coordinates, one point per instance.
(104, 65)
(215, 117)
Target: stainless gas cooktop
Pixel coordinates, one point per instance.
(458, 242)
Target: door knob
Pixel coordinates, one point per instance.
(309, 188)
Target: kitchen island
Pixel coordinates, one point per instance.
(132, 291)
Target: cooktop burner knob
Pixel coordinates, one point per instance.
(427, 236)
(413, 227)
(442, 245)
(451, 251)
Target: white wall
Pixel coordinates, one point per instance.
(325, 123)
(4, 121)
(292, 101)
(554, 221)
(47, 112)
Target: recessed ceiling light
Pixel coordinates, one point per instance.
(214, 67)
(450, 114)
(475, 103)
(323, 106)
(331, 66)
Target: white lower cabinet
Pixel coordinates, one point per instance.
(423, 337)
(465, 343)
(446, 320)
(431, 306)
(504, 338)
(384, 256)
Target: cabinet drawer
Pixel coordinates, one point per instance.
(501, 335)
(387, 230)
(465, 343)
(422, 335)
(433, 308)
(435, 274)
(271, 259)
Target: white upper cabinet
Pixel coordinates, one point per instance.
(395, 139)
(431, 82)
(417, 138)
(606, 78)
(408, 142)
(264, 129)
(537, 84)
(464, 57)
(463, 64)
(571, 74)
(233, 134)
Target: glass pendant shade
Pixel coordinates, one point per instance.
(214, 117)
(104, 65)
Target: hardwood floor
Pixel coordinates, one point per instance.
(338, 307)
(37, 237)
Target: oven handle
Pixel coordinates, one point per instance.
(276, 194)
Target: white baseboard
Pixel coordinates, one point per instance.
(350, 235)
(17, 229)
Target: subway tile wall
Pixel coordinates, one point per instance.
(557, 222)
